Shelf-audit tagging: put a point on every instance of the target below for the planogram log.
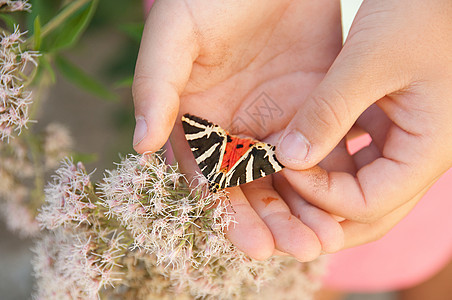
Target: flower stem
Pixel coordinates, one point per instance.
(37, 194)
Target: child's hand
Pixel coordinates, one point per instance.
(213, 59)
(397, 67)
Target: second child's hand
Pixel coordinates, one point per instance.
(392, 79)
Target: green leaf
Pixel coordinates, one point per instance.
(71, 22)
(124, 82)
(45, 9)
(83, 80)
(133, 30)
(9, 21)
(37, 33)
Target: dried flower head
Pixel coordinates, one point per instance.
(67, 197)
(172, 243)
(14, 98)
(18, 215)
(82, 252)
(140, 194)
(183, 229)
(14, 5)
(57, 144)
(16, 170)
(76, 264)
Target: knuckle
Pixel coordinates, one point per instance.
(331, 111)
(366, 217)
(369, 214)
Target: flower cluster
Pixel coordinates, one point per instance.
(20, 170)
(14, 98)
(67, 197)
(182, 227)
(80, 255)
(14, 5)
(57, 144)
(15, 170)
(143, 195)
(19, 216)
(75, 264)
(172, 243)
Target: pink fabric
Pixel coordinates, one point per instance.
(147, 5)
(418, 247)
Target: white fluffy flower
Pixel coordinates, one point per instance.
(173, 244)
(15, 5)
(67, 198)
(75, 264)
(140, 194)
(57, 144)
(19, 217)
(14, 99)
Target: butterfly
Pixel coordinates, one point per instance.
(227, 160)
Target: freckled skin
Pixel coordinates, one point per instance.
(268, 200)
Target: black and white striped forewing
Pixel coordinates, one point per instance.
(207, 142)
(259, 161)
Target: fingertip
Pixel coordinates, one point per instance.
(155, 120)
(305, 245)
(326, 228)
(261, 253)
(141, 130)
(332, 238)
(328, 231)
(293, 150)
(249, 234)
(293, 237)
(259, 246)
(145, 138)
(252, 236)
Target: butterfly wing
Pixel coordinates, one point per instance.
(207, 142)
(227, 166)
(259, 161)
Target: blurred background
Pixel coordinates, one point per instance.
(100, 115)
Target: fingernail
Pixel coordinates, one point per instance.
(294, 147)
(141, 129)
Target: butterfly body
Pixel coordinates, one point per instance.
(227, 160)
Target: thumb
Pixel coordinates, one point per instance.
(167, 51)
(352, 84)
